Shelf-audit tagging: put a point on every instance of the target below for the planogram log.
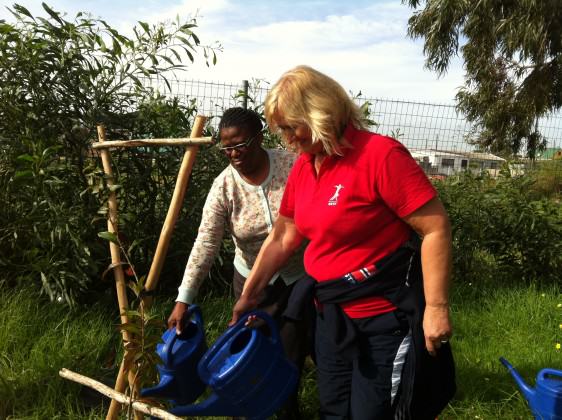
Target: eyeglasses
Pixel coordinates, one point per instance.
(242, 147)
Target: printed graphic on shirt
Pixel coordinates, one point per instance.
(334, 199)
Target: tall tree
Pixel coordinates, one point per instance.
(512, 51)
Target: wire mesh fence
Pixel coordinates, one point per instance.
(437, 135)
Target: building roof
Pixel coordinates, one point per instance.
(456, 153)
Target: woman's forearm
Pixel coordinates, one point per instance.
(436, 266)
(270, 259)
(274, 253)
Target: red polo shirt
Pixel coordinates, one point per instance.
(351, 211)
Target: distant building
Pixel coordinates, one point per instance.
(438, 163)
(550, 153)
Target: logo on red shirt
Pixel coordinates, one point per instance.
(334, 199)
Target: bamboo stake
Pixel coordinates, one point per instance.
(192, 141)
(120, 285)
(174, 209)
(117, 396)
(112, 220)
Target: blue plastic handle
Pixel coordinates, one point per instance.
(549, 372)
(191, 310)
(229, 333)
(241, 324)
(267, 318)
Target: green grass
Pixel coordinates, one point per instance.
(520, 323)
(38, 338)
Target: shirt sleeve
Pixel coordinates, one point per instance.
(206, 245)
(402, 184)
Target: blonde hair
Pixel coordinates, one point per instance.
(303, 95)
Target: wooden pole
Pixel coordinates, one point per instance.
(117, 396)
(174, 209)
(165, 235)
(153, 142)
(120, 285)
(112, 221)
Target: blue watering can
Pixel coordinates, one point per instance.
(180, 354)
(545, 400)
(247, 372)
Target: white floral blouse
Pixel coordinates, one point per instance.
(248, 211)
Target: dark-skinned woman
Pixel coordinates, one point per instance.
(244, 199)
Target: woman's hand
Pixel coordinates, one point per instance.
(436, 326)
(177, 317)
(243, 305)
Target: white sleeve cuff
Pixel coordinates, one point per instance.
(186, 295)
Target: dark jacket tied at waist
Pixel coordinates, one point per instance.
(428, 382)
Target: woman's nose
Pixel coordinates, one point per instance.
(234, 153)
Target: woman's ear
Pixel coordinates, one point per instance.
(259, 138)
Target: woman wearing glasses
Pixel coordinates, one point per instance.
(374, 223)
(245, 199)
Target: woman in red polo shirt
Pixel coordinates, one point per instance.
(364, 204)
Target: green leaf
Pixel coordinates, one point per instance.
(109, 236)
(145, 27)
(178, 57)
(20, 9)
(6, 28)
(23, 174)
(26, 158)
(189, 54)
(52, 13)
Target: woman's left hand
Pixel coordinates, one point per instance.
(437, 327)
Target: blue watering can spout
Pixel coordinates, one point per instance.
(545, 400)
(527, 391)
(180, 354)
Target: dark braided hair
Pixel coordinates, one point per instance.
(243, 118)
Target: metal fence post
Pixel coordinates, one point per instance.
(245, 87)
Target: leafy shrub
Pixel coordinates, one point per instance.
(58, 80)
(548, 176)
(500, 220)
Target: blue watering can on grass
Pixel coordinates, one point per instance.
(180, 354)
(545, 400)
(247, 372)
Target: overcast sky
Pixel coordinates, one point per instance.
(361, 44)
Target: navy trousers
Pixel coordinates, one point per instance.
(363, 388)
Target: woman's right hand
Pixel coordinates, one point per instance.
(177, 317)
(244, 304)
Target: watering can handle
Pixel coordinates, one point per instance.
(191, 310)
(549, 372)
(229, 333)
(270, 322)
(259, 314)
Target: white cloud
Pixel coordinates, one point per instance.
(361, 44)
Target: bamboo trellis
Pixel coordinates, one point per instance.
(191, 148)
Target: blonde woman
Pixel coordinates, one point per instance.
(375, 224)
